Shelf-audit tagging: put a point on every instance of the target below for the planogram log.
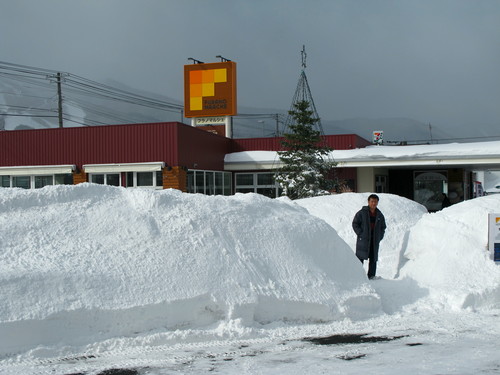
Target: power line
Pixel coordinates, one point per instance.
(25, 68)
(24, 107)
(27, 79)
(125, 93)
(21, 115)
(81, 86)
(23, 95)
(92, 93)
(95, 111)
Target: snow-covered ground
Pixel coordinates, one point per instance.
(95, 278)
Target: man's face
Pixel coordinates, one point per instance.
(372, 204)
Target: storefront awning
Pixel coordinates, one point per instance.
(124, 167)
(36, 170)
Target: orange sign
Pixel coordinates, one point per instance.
(210, 89)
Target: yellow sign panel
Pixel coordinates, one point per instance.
(210, 89)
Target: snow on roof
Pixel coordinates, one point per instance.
(452, 153)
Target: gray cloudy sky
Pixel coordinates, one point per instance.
(434, 61)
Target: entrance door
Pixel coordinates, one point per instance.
(380, 184)
(428, 188)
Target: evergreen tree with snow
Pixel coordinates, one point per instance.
(305, 163)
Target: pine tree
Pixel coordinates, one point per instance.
(304, 172)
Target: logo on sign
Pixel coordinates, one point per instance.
(210, 89)
(378, 137)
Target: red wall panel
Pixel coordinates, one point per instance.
(337, 142)
(91, 145)
(199, 149)
(256, 144)
(174, 143)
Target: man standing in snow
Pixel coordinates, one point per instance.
(369, 225)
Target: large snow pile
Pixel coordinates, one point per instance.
(400, 214)
(447, 253)
(87, 262)
(82, 264)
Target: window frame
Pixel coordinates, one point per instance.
(225, 188)
(32, 180)
(255, 187)
(91, 175)
(134, 185)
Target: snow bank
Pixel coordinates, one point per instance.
(439, 258)
(84, 263)
(447, 252)
(401, 215)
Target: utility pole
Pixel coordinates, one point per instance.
(59, 100)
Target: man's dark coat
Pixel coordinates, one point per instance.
(361, 225)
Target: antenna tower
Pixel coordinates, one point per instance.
(303, 93)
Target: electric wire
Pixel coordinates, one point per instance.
(25, 96)
(83, 87)
(21, 115)
(95, 111)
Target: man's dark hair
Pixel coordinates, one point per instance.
(373, 196)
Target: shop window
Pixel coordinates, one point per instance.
(36, 182)
(130, 179)
(190, 182)
(265, 179)
(243, 179)
(97, 179)
(219, 183)
(199, 182)
(23, 182)
(144, 179)
(260, 183)
(105, 179)
(209, 182)
(159, 178)
(227, 183)
(41, 181)
(5, 181)
(113, 179)
(63, 179)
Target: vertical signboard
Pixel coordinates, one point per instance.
(494, 236)
(210, 89)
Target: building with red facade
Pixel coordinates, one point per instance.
(156, 155)
(179, 156)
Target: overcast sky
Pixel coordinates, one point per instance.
(434, 61)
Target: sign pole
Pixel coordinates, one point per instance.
(229, 128)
